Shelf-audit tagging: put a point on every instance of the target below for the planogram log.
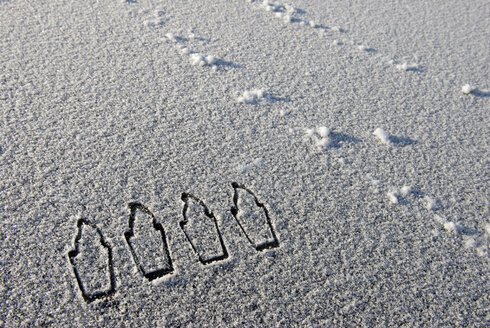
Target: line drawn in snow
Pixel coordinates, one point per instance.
(201, 229)
(253, 218)
(147, 242)
(92, 263)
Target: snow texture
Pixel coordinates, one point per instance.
(155, 169)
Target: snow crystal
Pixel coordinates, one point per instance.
(466, 89)
(382, 136)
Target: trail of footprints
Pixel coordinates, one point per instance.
(288, 14)
(91, 257)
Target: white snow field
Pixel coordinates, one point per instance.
(194, 163)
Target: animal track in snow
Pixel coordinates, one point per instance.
(472, 239)
(253, 218)
(147, 242)
(288, 14)
(200, 226)
(196, 58)
(92, 264)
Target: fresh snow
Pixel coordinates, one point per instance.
(250, 163)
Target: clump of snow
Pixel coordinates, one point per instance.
(467, 89)
(431, 203)
(482, 251)
(382, 136)
(320, 136)
(285, 17)
(251, 97)
(336, 29)
(449, 226)
(405, 190)
(393, 196)
(470, 242)
(171, 37)
(362, 47)
(406, 67)
(335, 42)
(289, 8)
(323, 131)
(210, 60)
(197, 59)
(487, 228)
(312, 24)
(322, 143)
(309, 132)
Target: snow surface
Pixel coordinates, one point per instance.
(247, 190)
